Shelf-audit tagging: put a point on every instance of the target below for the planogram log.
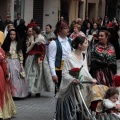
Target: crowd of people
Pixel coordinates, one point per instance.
(33, 60)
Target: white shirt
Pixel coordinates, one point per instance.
(52, 49)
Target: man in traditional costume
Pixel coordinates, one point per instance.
(58, 50)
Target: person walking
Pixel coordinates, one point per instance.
(13, 50)
(58, 50)
(18, 20)
(103, 60)
(7, 106)
(69, 103)
(36, 66)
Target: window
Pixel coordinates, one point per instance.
(19, 8)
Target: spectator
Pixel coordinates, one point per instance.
(49, 36)
(77, 32)
(32, 23)
(95, 29)
(79, 21)
(84, 24)
(21, 29)
(7, 21)
(18, 20)
(72, 26)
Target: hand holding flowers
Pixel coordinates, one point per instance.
(84, 77)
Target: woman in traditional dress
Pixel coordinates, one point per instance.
(103, 60)
(36, 66)
(69, 105)
(13, 51)
(26, 42)
(7, 106)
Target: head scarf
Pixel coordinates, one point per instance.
(2, 38)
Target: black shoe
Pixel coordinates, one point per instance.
(37, 95)
(29, 95)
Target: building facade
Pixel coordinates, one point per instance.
(49, 11)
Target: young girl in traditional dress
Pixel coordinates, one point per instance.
(7, 106)
(112, 104)
(13, 50)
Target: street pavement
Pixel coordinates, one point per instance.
(41, 108)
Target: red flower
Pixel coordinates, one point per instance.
(75, 69)
(100, 50)
(75, 72)
(117, 81)
(110, 52)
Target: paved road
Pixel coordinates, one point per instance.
(39, 108)
(35, 108)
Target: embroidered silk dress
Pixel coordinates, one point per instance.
(7, 106)
(103, 64)
(14, 59)
(38, 75)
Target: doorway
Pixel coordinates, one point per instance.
(64, 9)
(91, 10)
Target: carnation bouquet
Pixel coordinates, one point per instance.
(74, 72)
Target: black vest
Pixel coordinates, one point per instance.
(59, 52)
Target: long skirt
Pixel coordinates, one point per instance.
(103, 75)
(20, 83)
(38, 76)
(70, 106)
(7, 106)
(9, 109)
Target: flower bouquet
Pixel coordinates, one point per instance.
(38, 54)
(74, 72)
